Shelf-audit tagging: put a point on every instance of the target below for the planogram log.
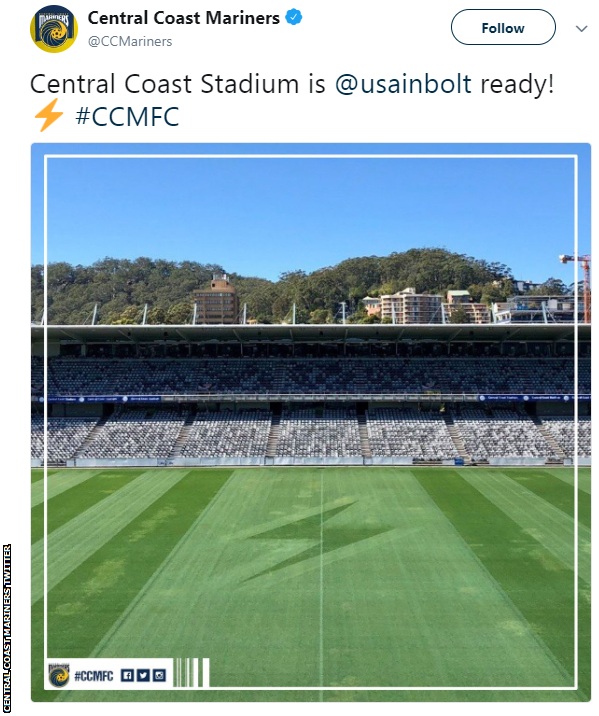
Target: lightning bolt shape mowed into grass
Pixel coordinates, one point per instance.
(309, 528)
(49, 115)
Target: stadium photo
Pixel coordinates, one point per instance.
(304, 470)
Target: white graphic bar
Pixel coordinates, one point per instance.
(205, 673)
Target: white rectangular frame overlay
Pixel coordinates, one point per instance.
(327, 156)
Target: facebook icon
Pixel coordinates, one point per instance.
(126, 674)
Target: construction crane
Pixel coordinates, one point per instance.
(585, 262)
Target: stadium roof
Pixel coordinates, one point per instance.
(314, 333)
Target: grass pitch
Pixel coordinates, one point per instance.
(319, 577)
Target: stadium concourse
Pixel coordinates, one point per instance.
(303, 394)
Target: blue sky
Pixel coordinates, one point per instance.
(262, 217)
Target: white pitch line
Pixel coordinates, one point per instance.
(205, 673)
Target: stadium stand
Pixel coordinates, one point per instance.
(113, 376)
(349, 376)
(334, 433)
(247, 394)
(397, 432)
(500, 434)
(562, 430)
(37, 376)
(584, 376)
(136, 433)
(65, 437)
(228, 434)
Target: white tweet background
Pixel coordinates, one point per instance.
(373, 39)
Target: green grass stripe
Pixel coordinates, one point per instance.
(539, 585)
(95, 594)
(37, 474)
(405, 601)
(198, 696)
(549, 487)
(584, 640)
(74, 542)
(567, 476)
(37, 655)
(201, 588)
(81, 498)
(540, 519)
(400, 583)
(420, 609)
(59, 482)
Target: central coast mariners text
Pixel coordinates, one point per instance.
(163, 18)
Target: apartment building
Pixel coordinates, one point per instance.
(407, 306)
(217, 304)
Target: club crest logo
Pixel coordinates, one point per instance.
(58, 674)
(53, 28)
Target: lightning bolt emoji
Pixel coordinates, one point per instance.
(48, 115)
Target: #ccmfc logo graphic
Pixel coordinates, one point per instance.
(53, 28)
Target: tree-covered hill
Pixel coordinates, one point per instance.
(122, 287)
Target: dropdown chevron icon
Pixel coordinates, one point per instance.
(582, 29)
